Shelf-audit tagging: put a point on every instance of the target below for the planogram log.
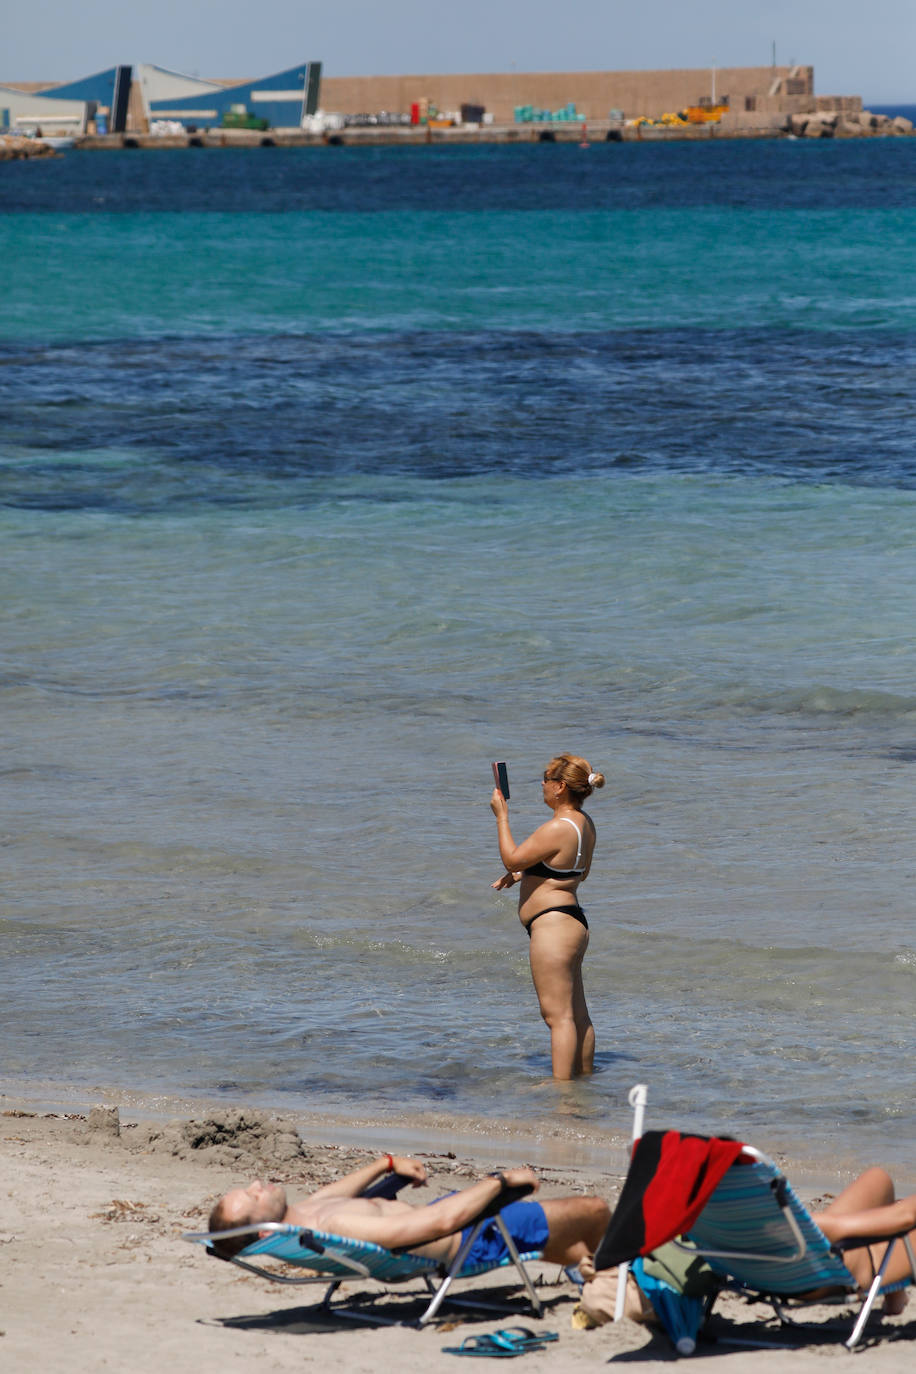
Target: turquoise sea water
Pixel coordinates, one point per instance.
(148, 275)
(325, 480)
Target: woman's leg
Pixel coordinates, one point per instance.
(871, 1193)
(873, 1188)
(585, 1031)
(558, 944)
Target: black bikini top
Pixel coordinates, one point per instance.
(544, 870)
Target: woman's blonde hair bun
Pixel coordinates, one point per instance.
(576, 772)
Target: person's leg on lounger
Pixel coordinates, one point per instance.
(867, 1207)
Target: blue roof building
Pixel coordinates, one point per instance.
(283, 99)
(110, 89)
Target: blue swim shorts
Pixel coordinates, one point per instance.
(526, 1224)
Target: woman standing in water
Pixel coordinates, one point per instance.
(550, 865)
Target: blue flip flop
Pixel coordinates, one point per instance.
(523, 1338)
(483, 1345)
(502, 1345)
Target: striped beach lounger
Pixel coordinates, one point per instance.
(739, 1213)
(331, 1259)
(756, 1233)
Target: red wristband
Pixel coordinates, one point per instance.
(390, 1164)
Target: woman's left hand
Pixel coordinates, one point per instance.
(498, 804)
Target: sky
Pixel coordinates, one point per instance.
(855, 48)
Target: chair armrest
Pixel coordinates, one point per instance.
(492, 1209)
(388, 1186)
(503, 1199)
(859, 1242)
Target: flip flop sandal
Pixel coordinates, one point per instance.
(487, 1346)
(523, 1338)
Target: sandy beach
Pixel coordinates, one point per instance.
(95, 1274)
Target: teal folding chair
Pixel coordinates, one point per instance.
(758, 1235)
(752, 1230)
(338, 1258)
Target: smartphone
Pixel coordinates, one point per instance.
(501, 778)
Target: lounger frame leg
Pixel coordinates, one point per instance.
(519, 1265)
(868, 1302)
(871, 1296)
(329, 1295)
(455, 1270)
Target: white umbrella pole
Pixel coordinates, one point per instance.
(638, 1097)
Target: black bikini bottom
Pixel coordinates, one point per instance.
(575, 911)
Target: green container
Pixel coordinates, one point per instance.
(241, 119)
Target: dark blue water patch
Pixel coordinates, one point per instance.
(748, 173)
(907, 111)
(105, 426)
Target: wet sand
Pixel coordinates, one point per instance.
(95, 1274)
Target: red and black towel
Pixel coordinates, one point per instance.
(670, 1180)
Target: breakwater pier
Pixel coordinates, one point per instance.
(150, 107)
(825, 124)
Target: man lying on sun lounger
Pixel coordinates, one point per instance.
(564, 1229)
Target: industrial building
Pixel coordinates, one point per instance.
(124, 99)
(280, 101)
(68, 109)
(150, 98)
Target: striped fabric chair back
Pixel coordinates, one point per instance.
(746, 1217)
(370, 1261)
(375, 1262)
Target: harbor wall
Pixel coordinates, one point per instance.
(595, 94)
(741, 126)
